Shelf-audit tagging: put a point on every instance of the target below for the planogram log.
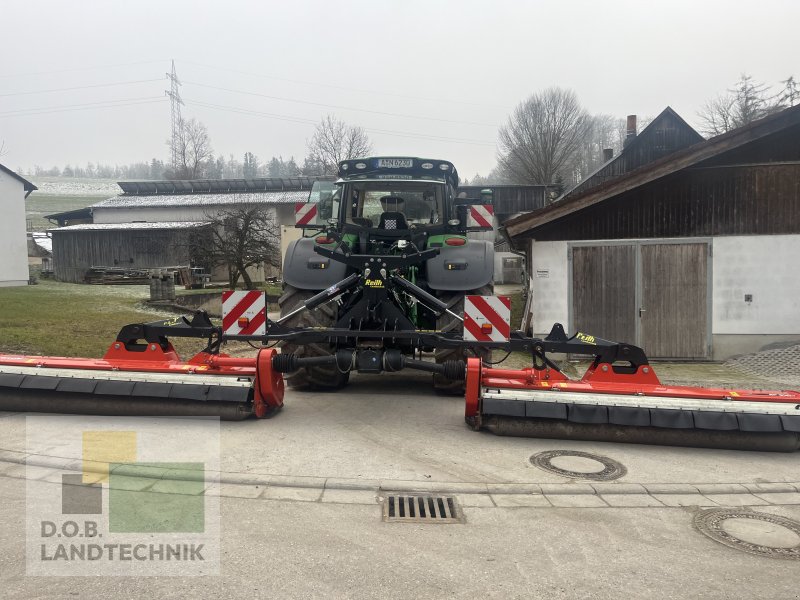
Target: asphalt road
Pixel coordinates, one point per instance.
(303, 533)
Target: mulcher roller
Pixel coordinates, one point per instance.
(144, 380)
(613, 404)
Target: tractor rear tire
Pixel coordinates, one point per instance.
(320, 377)
(446, 322)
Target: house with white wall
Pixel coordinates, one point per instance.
(693, 254)
(13, 237)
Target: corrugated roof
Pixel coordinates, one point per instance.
(124, 201)
(130, 226)
(220, 186)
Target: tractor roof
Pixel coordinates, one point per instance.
(399, 167)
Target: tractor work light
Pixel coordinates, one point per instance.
(427, 165)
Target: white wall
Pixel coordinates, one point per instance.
(549, 271)
(159, 214)
(13, 240)
(766, 266)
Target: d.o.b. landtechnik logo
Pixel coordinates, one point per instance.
(136, 502)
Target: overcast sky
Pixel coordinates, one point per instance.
(424, 78)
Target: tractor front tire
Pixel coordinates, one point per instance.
(319, 377)
(446, 322)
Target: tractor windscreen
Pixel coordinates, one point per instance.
(325, 194)
(396, 204)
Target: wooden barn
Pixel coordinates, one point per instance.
(130, 246)
(148, 224)
(512, 200)
(689, 253)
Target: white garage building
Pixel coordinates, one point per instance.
(13, 239)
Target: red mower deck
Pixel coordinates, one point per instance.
(623, 405)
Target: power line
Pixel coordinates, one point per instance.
(345, 88)
(88, 106)
(95, 68)
(363, 110)
(300, 120)
(80, 87)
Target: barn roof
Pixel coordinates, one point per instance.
(130, 226)
(29, 187)
(655, 170)
(665, 134)
(212, 199)
(219, 186)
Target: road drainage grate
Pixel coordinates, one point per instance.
(610, 469)
(421, 509)
(758, 533)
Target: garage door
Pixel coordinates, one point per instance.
(651, 295)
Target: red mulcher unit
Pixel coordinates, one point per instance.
(618, 399)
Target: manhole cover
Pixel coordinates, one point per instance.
(421, 509)
(750, 531)
(579, 465)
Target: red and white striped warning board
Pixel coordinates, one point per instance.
(487, 318)
(305, 213)
(244, 313)
(481, 215)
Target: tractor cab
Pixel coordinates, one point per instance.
(389, 198)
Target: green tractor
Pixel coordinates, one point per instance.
(392, 234)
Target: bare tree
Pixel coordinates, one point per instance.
(746, 102)
(238, 238)
(334, 141)
(542, 136)
(194, 150)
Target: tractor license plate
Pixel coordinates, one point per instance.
(395, 163)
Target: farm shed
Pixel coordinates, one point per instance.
(13, 238)
(173, 202)
(692, 255)
(77, 248)
(512, 200)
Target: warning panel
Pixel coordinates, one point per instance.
(487, 318)
(244, 313)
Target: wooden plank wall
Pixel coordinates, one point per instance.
(710, 201)
(75, 251)
(674, 296)
(604, 291)
(511, 199)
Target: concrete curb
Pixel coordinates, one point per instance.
(570, 488)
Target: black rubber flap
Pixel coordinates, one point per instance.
(152, 389)
(223, 393)
(40, 382)
(11, 380)
(76, 384)
(755, 422)
(545, 410)
(498, 406)
(671, 419)
(629, 415)
(110, 387)
(189, 391)
(791, 422)
(719, 421)
(586, 413)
